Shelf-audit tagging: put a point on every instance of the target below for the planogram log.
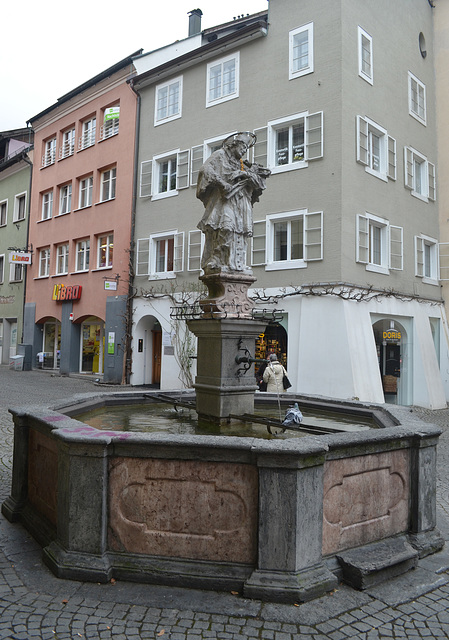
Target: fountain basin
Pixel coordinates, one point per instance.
(279, 519)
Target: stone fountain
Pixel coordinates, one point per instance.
(279, 519)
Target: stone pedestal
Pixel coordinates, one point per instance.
(228, 295)
(220, 387)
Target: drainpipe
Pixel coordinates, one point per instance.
(129, 303)
(28, 161)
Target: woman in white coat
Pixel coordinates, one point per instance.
(274, 374)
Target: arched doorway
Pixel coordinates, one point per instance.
(392, 345)
(147, 352)
(272, 340)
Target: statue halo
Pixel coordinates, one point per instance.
(250, 140)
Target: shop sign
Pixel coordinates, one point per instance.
(22, 258)
(392, 335)
(110, 285)
(111, 113)
(62, 292)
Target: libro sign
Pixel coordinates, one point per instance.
(62, 292)
(21, 258)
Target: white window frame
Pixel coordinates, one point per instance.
(108, 184)
(229, 95)
(62, 259)
(3, 213)
(196, 240)
(167, 116)
(312, 247)
(82, 255)
(68, 144)
(65, 199)
(47, 205)
(391, 244)
(363, 37)
(19, 215)
(49, 156)
(418, 89)
(107, 241)
(150, 174)
(2, 268)
(367, 131)
(88, 133)
(313, 141)
(412, 158)
(143, 257)
(427, 259)
(307, 68)
(85, 192)
(44, 262)
(178, 254)
(16, 272)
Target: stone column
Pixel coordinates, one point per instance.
(290, 566)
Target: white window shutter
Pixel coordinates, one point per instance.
(260, 149)
(419, 256)
(396, 248)
(391, 169)
(143, 257)
(313, 236)
(443, 259)
(196, 164)
(408, 167)
(178, 252)
(195, 249)
(258, 243)
(314, 136)
(362, 246)
(432, 188)
(182, 169)
(146, 171)
(362, 140)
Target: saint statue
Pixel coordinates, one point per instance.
(228, 186)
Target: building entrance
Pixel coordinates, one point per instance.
(92, 346)
(51, 348)
(391, 337)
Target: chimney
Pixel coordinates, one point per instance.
(195, 22)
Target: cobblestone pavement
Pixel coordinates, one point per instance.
(35, 604)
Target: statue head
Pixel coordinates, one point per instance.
(243, 141)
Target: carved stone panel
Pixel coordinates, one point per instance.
(43, 474)
(366, 498)
(183, 508)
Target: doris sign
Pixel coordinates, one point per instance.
(391, 335)
(62, 292)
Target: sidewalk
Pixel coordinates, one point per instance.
(35, 604)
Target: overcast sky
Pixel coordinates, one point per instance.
(50, 47)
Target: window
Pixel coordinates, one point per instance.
(301, 51)
(15, 272)
(161, 255)
(195, 250)
(49, 152)
(416, 98)
(365, 55)
(68, 143)
(288, 240)
(419, 175)
(168, 101)
(289, 143)
(376, 149)
(47, 205)
(105, 251)
(44, 263)
(379, 244)
(88, 130)
(222, 80)
(19, 207)
(82, 255)
(111, 122)
(165, 175)
(62, 259)
(426, 259)
(65, 199)
(85, 195)
(108, 179)
(3, 213)
(2, 269)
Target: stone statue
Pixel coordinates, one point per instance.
(228, 186)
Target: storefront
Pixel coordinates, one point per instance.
(92, 346)
(49, 357)
(393, 346)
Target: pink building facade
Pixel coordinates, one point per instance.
(80, 228)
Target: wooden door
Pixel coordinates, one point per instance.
(157, 356)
